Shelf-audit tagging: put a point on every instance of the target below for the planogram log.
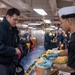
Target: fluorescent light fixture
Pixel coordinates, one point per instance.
(34, 24)
(47, 21)
(24, 26)
(56, 27)
(52, 26)
(1, 18)
(22, 31)
(33, 28)
(49, 29)
(40, 12)
(30, 27)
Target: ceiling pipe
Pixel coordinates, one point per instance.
(53, 6)
(18, 4)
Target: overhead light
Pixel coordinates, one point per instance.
(33, 28)
(47, 21)
(52, 26)
(25, 26)
(30, 27)
(56, 27)
(40, 12)
(1, 18)
(19, 25)
(22, 31)
(34, 24)
(49, 29)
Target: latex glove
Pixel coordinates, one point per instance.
(51, 58)
(53, 55)
(47, 63)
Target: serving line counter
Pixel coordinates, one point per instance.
(36, 69)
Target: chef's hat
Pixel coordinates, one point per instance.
(67, 11)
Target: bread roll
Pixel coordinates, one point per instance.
(39, 61)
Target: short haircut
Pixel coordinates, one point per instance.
(13, 11)
(68, 16)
